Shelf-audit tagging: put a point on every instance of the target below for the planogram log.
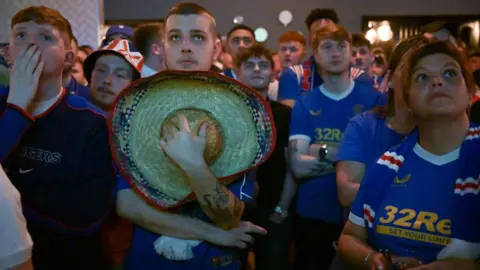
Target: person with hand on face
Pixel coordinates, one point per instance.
(275, 181)
(397, 219)
(190, 44)
(317, 125)
(54, 146)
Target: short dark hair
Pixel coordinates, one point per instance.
(257, 50)
(359, 40)
(145, 35)
(240, 27)
(86, 48)
(44, 15)
(321, 13)
(189, 8)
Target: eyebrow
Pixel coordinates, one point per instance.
(447, 64)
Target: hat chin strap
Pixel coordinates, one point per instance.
(175, 249)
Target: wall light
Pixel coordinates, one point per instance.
(238, 20)
(384, 31)
(371, 35)
(261, 34)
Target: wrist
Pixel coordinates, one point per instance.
(194, 168)
(369, 258)
(283, 212)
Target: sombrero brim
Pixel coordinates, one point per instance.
(139, 112)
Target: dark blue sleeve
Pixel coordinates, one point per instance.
(14, 121)
(355, 139)
(288, 87)
(464, 207)
(365, 79)
(88, 200)
(122, 183)
(382, 99)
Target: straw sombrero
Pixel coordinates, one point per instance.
(243, 137)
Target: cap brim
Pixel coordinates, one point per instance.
(92, 59)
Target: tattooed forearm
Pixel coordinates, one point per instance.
(223, 207)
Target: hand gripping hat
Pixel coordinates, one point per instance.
(242, 137)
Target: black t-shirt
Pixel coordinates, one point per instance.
(475, 112)
(271, 174)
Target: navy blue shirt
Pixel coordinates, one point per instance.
(77, 89)
(60, 162)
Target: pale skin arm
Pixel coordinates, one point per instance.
(131, 207)
(354, 249)
(288, 102)
(219, 203)
(304, 161)
(353, 245)
(187, 149)
(349, 176)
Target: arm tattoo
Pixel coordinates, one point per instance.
(223, 207)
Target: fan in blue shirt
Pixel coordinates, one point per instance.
(370, 134)
(54, 146)
(404, 205)
(199, 244)
(319, 119)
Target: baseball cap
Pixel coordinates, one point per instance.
(121, 47)
(120, 29)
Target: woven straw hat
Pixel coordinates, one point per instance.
(242, 138)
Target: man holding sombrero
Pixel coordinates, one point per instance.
(173, 135)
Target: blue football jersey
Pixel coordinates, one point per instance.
(405, 200)
(321, 118)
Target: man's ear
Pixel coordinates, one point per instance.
(156, 49)
(217, 49)
(70, 58)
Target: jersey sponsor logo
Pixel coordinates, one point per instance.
(41, 155)
(328, 135)
(316, 113)
(467, 186)
(401, 180)
(408, 224)
(24, 171)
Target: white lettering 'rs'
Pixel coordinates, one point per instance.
(22, 171)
